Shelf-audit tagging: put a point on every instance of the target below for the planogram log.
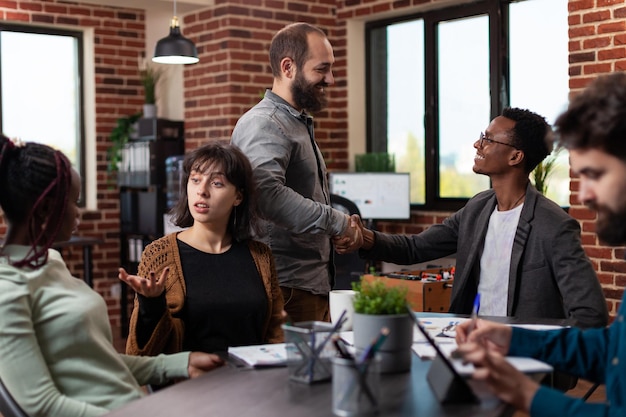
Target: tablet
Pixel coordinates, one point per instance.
(447, 384)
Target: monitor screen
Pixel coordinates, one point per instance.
(378, 195)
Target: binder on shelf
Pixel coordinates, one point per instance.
(132, 250)
(143, 162)
(135, 246)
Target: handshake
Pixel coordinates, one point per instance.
(354, 236)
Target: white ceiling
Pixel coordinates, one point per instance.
(182, 6)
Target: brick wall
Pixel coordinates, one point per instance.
(119, 40)
(597, 46)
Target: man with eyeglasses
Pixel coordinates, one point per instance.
(518, 249)
(593, 130)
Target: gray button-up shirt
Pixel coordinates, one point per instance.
(292, 191)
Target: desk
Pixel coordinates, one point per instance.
(86, 243)
(230, 391)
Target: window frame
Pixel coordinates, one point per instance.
(80, 57)
(497, 11)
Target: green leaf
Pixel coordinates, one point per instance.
(119, 137)
(544, 169)
(374, 297)
(149, 79)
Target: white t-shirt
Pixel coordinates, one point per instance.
(496, 261)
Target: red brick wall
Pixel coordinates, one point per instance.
(597, 46)
(119, 40)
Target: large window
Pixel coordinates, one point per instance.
(40, 85)
(436, 80)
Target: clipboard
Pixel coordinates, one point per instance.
(447, 384)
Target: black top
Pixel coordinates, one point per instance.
(225, 301)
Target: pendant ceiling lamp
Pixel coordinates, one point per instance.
(175, 48)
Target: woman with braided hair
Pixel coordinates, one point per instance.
(56, 351)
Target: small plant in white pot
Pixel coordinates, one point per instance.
(150, 77)
(376, 306)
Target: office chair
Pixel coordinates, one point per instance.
(348, 267)
(8, 406)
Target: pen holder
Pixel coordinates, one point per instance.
(395, 352)
(309, 351)
(356, 391)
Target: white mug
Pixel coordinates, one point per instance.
(340, 300)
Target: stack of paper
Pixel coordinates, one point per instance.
(442, 329)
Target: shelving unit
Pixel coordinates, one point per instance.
(143, 192)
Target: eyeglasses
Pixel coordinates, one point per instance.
(482, 139)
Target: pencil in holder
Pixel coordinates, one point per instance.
(356, 387)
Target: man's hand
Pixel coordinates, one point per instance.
(352, 238)
(148, 287)
(493, 336)
(509, 384)
(201, 363)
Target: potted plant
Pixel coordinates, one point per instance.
(375, 162)
(150, 77)
(543, 171)
(377, 306)
(119, 137)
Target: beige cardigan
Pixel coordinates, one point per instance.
(169, 332)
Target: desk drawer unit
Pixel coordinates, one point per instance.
(423, 295)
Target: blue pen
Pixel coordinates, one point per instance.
(474, 316)
(369, 352)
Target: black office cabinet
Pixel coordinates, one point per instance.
(142, 186)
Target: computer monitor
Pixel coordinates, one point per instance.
(378, 195)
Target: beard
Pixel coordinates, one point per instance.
(610, 226)
(307, 96)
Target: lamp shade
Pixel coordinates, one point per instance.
(175, 48)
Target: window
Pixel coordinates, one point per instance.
(40, 84)
(436, 79)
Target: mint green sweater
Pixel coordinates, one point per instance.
(56, 351)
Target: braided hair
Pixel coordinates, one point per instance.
(30, 174)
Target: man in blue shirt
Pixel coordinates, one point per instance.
(593, 129)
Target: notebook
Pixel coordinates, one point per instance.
(273, 354)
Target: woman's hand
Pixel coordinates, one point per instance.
(201, 363)
(148, 287)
